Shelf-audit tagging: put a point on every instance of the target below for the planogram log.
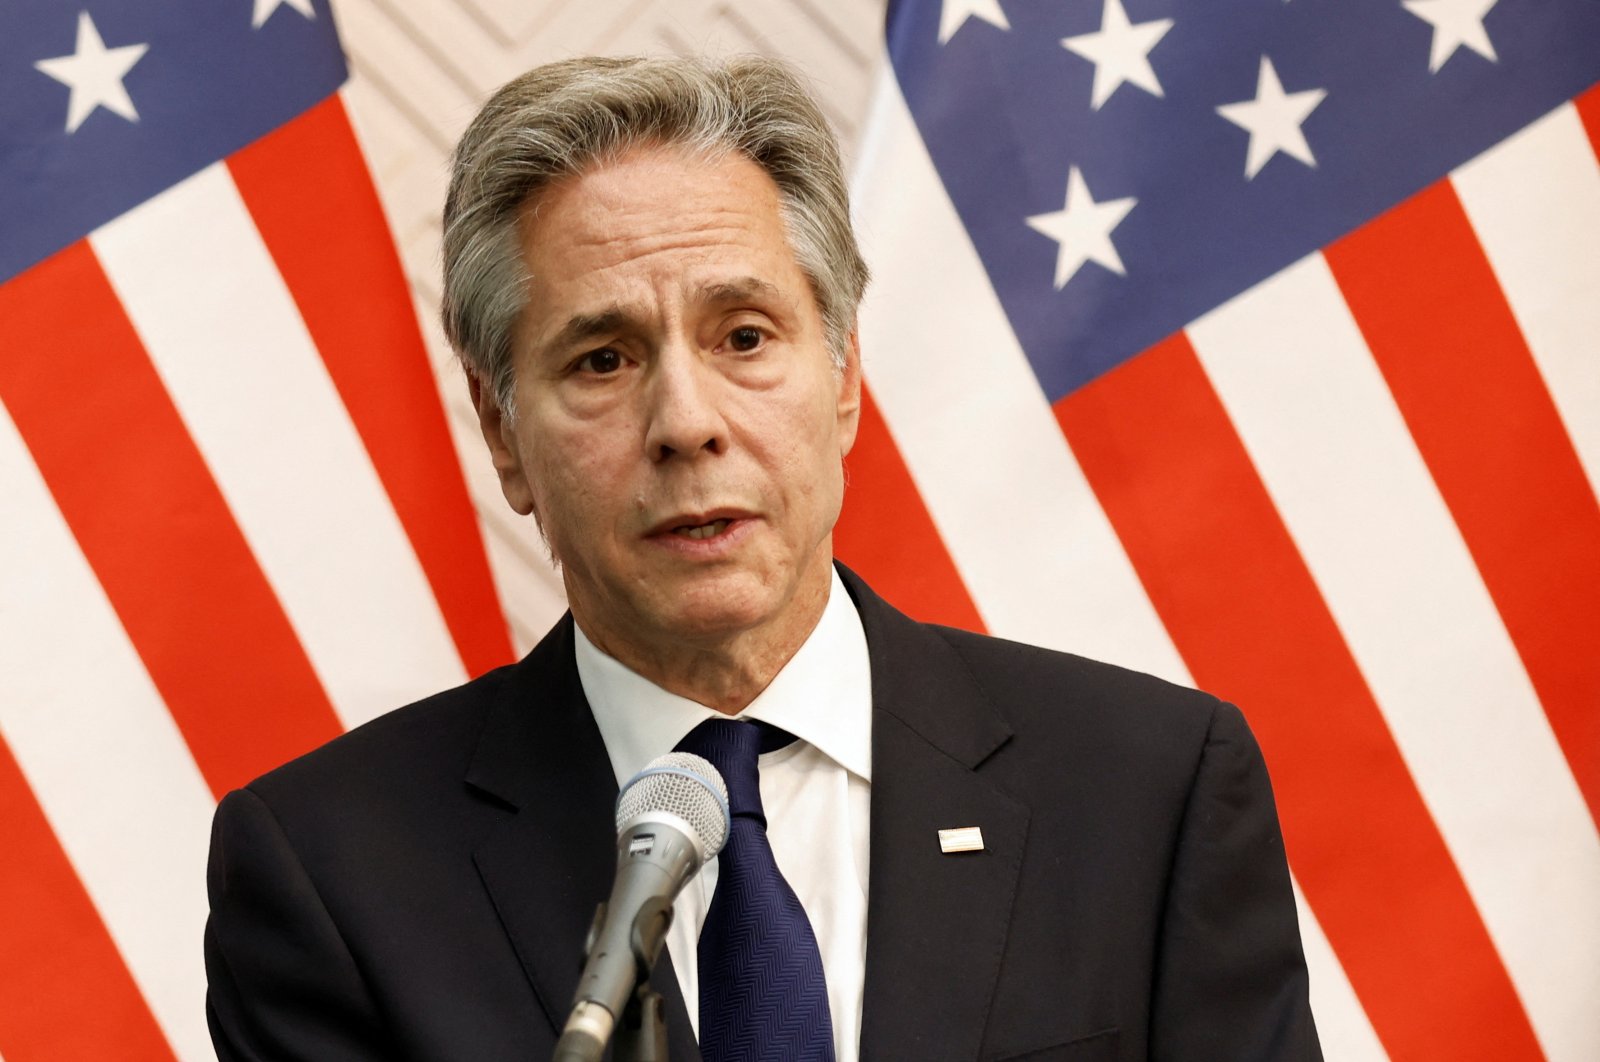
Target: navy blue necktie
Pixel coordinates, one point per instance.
(762, 993)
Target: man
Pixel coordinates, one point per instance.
(652, 282)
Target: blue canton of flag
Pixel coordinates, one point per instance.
(146, 94)
(1124, 168)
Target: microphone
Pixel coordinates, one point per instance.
(671, 817)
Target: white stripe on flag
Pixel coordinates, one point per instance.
(264, 412)
(1342, 1026)
(1310, 405)
(106, 761)
(1534, 201)
(1032, 545)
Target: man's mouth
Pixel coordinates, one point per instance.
(715, 527)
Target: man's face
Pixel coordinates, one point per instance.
(680, 427)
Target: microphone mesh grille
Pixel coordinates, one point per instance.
(685, 785)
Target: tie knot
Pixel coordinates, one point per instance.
(732, 745)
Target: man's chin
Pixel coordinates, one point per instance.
(711, 607)
(713, 620)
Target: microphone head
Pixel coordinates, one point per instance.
(683, 785)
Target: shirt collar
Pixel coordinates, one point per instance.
(822, 696)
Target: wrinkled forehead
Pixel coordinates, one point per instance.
(652, 193)
(663, 223)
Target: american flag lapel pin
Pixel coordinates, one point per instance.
(961, 839)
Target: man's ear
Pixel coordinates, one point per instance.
(850, 395)
(501, 438)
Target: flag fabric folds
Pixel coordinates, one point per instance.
(233, 524)
(1258, 347)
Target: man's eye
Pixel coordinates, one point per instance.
(745, 339)
(599, 362)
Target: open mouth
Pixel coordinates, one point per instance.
(697, 531)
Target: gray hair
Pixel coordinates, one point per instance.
(557, 120)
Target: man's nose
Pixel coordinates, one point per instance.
(685, 418)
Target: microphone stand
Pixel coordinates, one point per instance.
(642, 1034)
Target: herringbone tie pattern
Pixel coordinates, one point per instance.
(762, 993)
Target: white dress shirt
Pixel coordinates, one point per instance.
(815, 792)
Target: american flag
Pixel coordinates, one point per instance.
(1257, 345)
(232, 523)
(1253, 344)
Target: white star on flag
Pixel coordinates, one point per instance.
(1455, 23)
(1273, 120)
(953, 14)
(94, 73)
(1083, 229)
(265, 8)
(1120, 52)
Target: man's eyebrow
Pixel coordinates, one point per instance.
(585, 326)
(740, 289)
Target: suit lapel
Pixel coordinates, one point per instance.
(936, 923)
(552, 862)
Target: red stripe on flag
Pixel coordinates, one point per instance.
(1588, 106)
(331, 243)
(66, 992)
(137, 495)
(886, 534)
(1441, 331)
(1221, 570)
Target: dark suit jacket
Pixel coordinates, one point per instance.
(420, 888)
